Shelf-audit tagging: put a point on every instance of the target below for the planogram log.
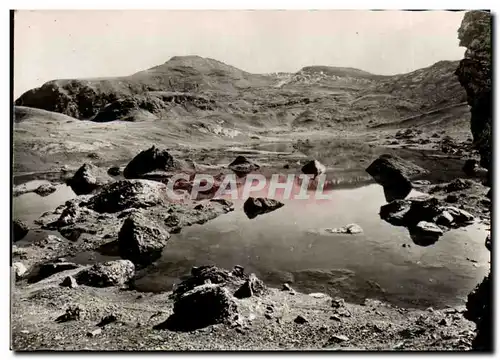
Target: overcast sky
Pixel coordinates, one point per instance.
(93, 43)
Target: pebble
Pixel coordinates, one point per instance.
(94, 332)
(339, 338)
(300, 320)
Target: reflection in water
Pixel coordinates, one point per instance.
(422, 238)
(396, 192)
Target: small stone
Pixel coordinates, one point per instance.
(108, 319)
(300, 320)
(338, 303)
(339, 338)
(443, 322)
(69, 281)
(94, 332)
(335, 317)
(25, 332)
(286, 287)
(317, 295)
(238, 270)
(268, 316)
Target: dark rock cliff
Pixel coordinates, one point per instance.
(474, 74)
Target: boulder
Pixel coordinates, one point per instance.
(458, 185)
(394, 174)
(19, 229)
(348, 229)
(202, 306)
(114, 171)
(141, 240)
(428, 228)
(126, 194)
(460, 216)
(200, 275)
(88, 178)
(19, 270)
(423, 209)
(147, 161)
(445, 218)
(45, 190)
(241, 165)
(314, 168)
(111, 273)
(252, 286)
(395, 212)
(258, 206)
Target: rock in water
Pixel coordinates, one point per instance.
(19, 229)
(111, 273)
(88, 178)
(45, 190)
(428, 228)
(252, 286)
(395, 212)
(126, 194)
(348, 229)
(114, 171)
(394, 174)
(314, 168)
(204, 305)
(258, 206)
(148, 160)
(241, 166)
(141, 240)
(425, 233)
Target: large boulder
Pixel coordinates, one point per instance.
(88, 178)
(241, 165)
(258, 206)
(126, 194)
(394, 174)
(203, 274)
(111, 273)
(202, 306)
(314, 168)
(141, 240)
(147, 161)
(19, 229)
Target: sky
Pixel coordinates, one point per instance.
(59, 44)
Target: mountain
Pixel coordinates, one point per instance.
(204, 88)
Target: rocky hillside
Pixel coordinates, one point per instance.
(314, 97)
